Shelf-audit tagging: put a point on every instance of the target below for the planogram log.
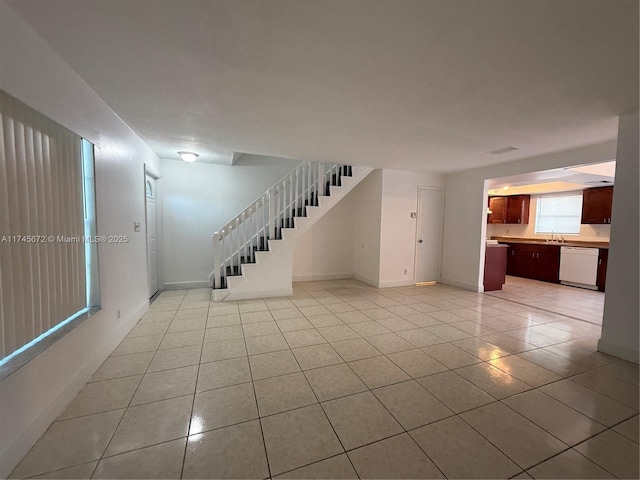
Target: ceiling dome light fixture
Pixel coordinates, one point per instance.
(188, 157)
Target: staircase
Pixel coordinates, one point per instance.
(253, 253)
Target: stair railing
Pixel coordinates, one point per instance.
(249, 231)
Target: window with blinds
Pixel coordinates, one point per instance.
(47, 211)
(559, 213)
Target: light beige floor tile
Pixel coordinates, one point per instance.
(461, 452)
(158, 461)
(401, 310)
(305, 302)
(601, 382)
(286, 392)
(334, 381)
(223, 320)
(473, 328)
(325, 321)
(555, 363)
(555, 417)
(79, 472)
(98, 397)
(313, 310)
(396, 457)
(419, 337)
(182, 339)
(450, 355)
(152, 423)
(227, 349)
(417, 363)
(480, 348)
(352, 317)
(360, 419)
(613, 452)
(338, 467)
(355, 349)
(266, 343)
(260, 316)
(526, 371)
(65, 444)
(149, 328)
(589, 403)
(377, 313)
(625, 371)
(166, 384)
(187, 324)
(273, 364)
(339, 307)
(231, 452)
(508, 342)
(629, 429)
(378, 371)
(223, 407)
(219, 334)
(335, 333)
(261, 328)
(448, 332)
(304, 338)
(412, 405)
(223, 373)
(422, 320)
(316, 356)
(367, 329)
(521, 440)
(455, 392)
(250, 306)
(217, 309)
(296, 438)
(175, 358)
(278, 303)
(138, 345)
(389, 343)
(157, 316)
(123, 366)
(569, 464)
(492, 380)
(294, 324)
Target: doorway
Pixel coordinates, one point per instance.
(429, 234)
(151, 205)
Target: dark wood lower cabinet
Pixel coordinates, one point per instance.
(538, 262)
(603, 256)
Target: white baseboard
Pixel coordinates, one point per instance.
(186, 285)
(322, 276)
(464, 285)
(11, 456)
(368, 281)
(619, 351)
(285, 292)
(395, 283)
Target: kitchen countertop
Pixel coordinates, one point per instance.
(570, 243)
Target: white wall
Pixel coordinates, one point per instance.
(200, 198)
(621, 312)
(326, 250)
(367, 222)
(588, 233)
(465, 208)
(398, 229)
(33, 396)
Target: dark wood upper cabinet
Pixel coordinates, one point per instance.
(512, 209)
(498, 207)
(596, 205)
(518, 209)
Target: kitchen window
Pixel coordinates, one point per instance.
(559, 213)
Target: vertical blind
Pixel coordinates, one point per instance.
(559, 213)
(42, 250)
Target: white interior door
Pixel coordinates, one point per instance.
(429, 234)
(152, 235)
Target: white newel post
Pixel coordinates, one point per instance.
(217, 245)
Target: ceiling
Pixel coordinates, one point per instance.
(426, 85)
(556, 180)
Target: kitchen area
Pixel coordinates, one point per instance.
(551, 227)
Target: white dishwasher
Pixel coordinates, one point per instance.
(579, 267)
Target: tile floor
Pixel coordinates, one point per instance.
(343, 380)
